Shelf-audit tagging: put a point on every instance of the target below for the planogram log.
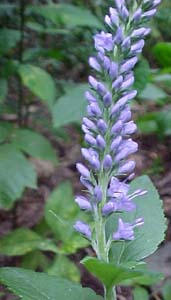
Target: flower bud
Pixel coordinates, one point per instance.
(83, 228)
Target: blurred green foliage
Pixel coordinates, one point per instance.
(44, 49)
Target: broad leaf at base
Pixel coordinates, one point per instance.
(108, 273)
(148, 236)
(29, 285)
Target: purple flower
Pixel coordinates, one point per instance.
(94, 64)
(126, 230)
(114, 18)
(127, 167)
(128, 65)
(115, 143)
(100, 142)
(149, 14)
(137, 47)
(140, 33)
(98, 194)
(90, 98)
(102, 126)
(113, 70)
(83, 170)
(83, 203)
(109, 208)
(83, 228)
(107, 162)
(137, 15)
(108, 125)
(117, 188)
(90, 140)
(89, 124)
(103, 41)
(93, 82)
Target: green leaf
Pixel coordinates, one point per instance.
(108, 273)
(16, 173)
(67, 14)
(9, 68)
(35, 260)
(140, 293)
(22, 241)
(153, 93)
(8, 39)
(147, 238)
(63, 267)
(46, 29)
(142, 75)
(33, 144)
(71, 107)
(30, 285)
(147, 278)
(61, 212)
(7, 9)
(5, 131)
(158, 122)
(163, 78)
(39, 82)
(162, 52)
(147, 123)
(166, 290)
(3, 89)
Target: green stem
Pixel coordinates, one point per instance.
(101, 249)
(110, 294)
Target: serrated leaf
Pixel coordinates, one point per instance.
(30, 285)
(8, 39)
(22, 241)
(67, 14)
(63, 267)
(140, 293)
(71, 107)
(61, 212)
(16, 173)
(148, 236)
(33, 144)
(108, 273)
(39, 82)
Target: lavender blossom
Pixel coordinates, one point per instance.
(108, 126)
(83, 228)
(126, 230)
